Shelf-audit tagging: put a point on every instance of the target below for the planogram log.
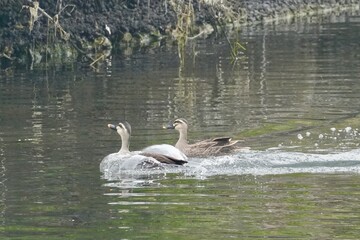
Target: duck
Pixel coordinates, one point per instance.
(205, 148)
(150, 157)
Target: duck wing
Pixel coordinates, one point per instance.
(213, 146)
(224, 141)
(215, 142)
(164, 159)
(166, 150)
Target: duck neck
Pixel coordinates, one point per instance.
(124, 145)
(182, 142)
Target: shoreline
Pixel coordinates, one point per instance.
(38, 32)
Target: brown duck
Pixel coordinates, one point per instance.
(209, 147)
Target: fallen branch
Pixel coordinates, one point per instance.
(34, 17)
(102, 56)
(4, 55)
(36, 11)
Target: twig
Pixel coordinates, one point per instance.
(6, 56)
(54, 19)
(102, 56)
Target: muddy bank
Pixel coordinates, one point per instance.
(67, 30)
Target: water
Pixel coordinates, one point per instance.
(293, 96)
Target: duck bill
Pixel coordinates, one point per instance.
(111, 126)
(169, 126)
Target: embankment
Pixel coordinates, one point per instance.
(67, 30)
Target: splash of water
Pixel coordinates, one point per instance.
(267, 162)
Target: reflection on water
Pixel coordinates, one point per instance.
(242, 206)
(293, 96)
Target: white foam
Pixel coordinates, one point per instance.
(264, 163)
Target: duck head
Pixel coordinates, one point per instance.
(179, 124)
(123, 128)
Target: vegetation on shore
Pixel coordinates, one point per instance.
(63, 31)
